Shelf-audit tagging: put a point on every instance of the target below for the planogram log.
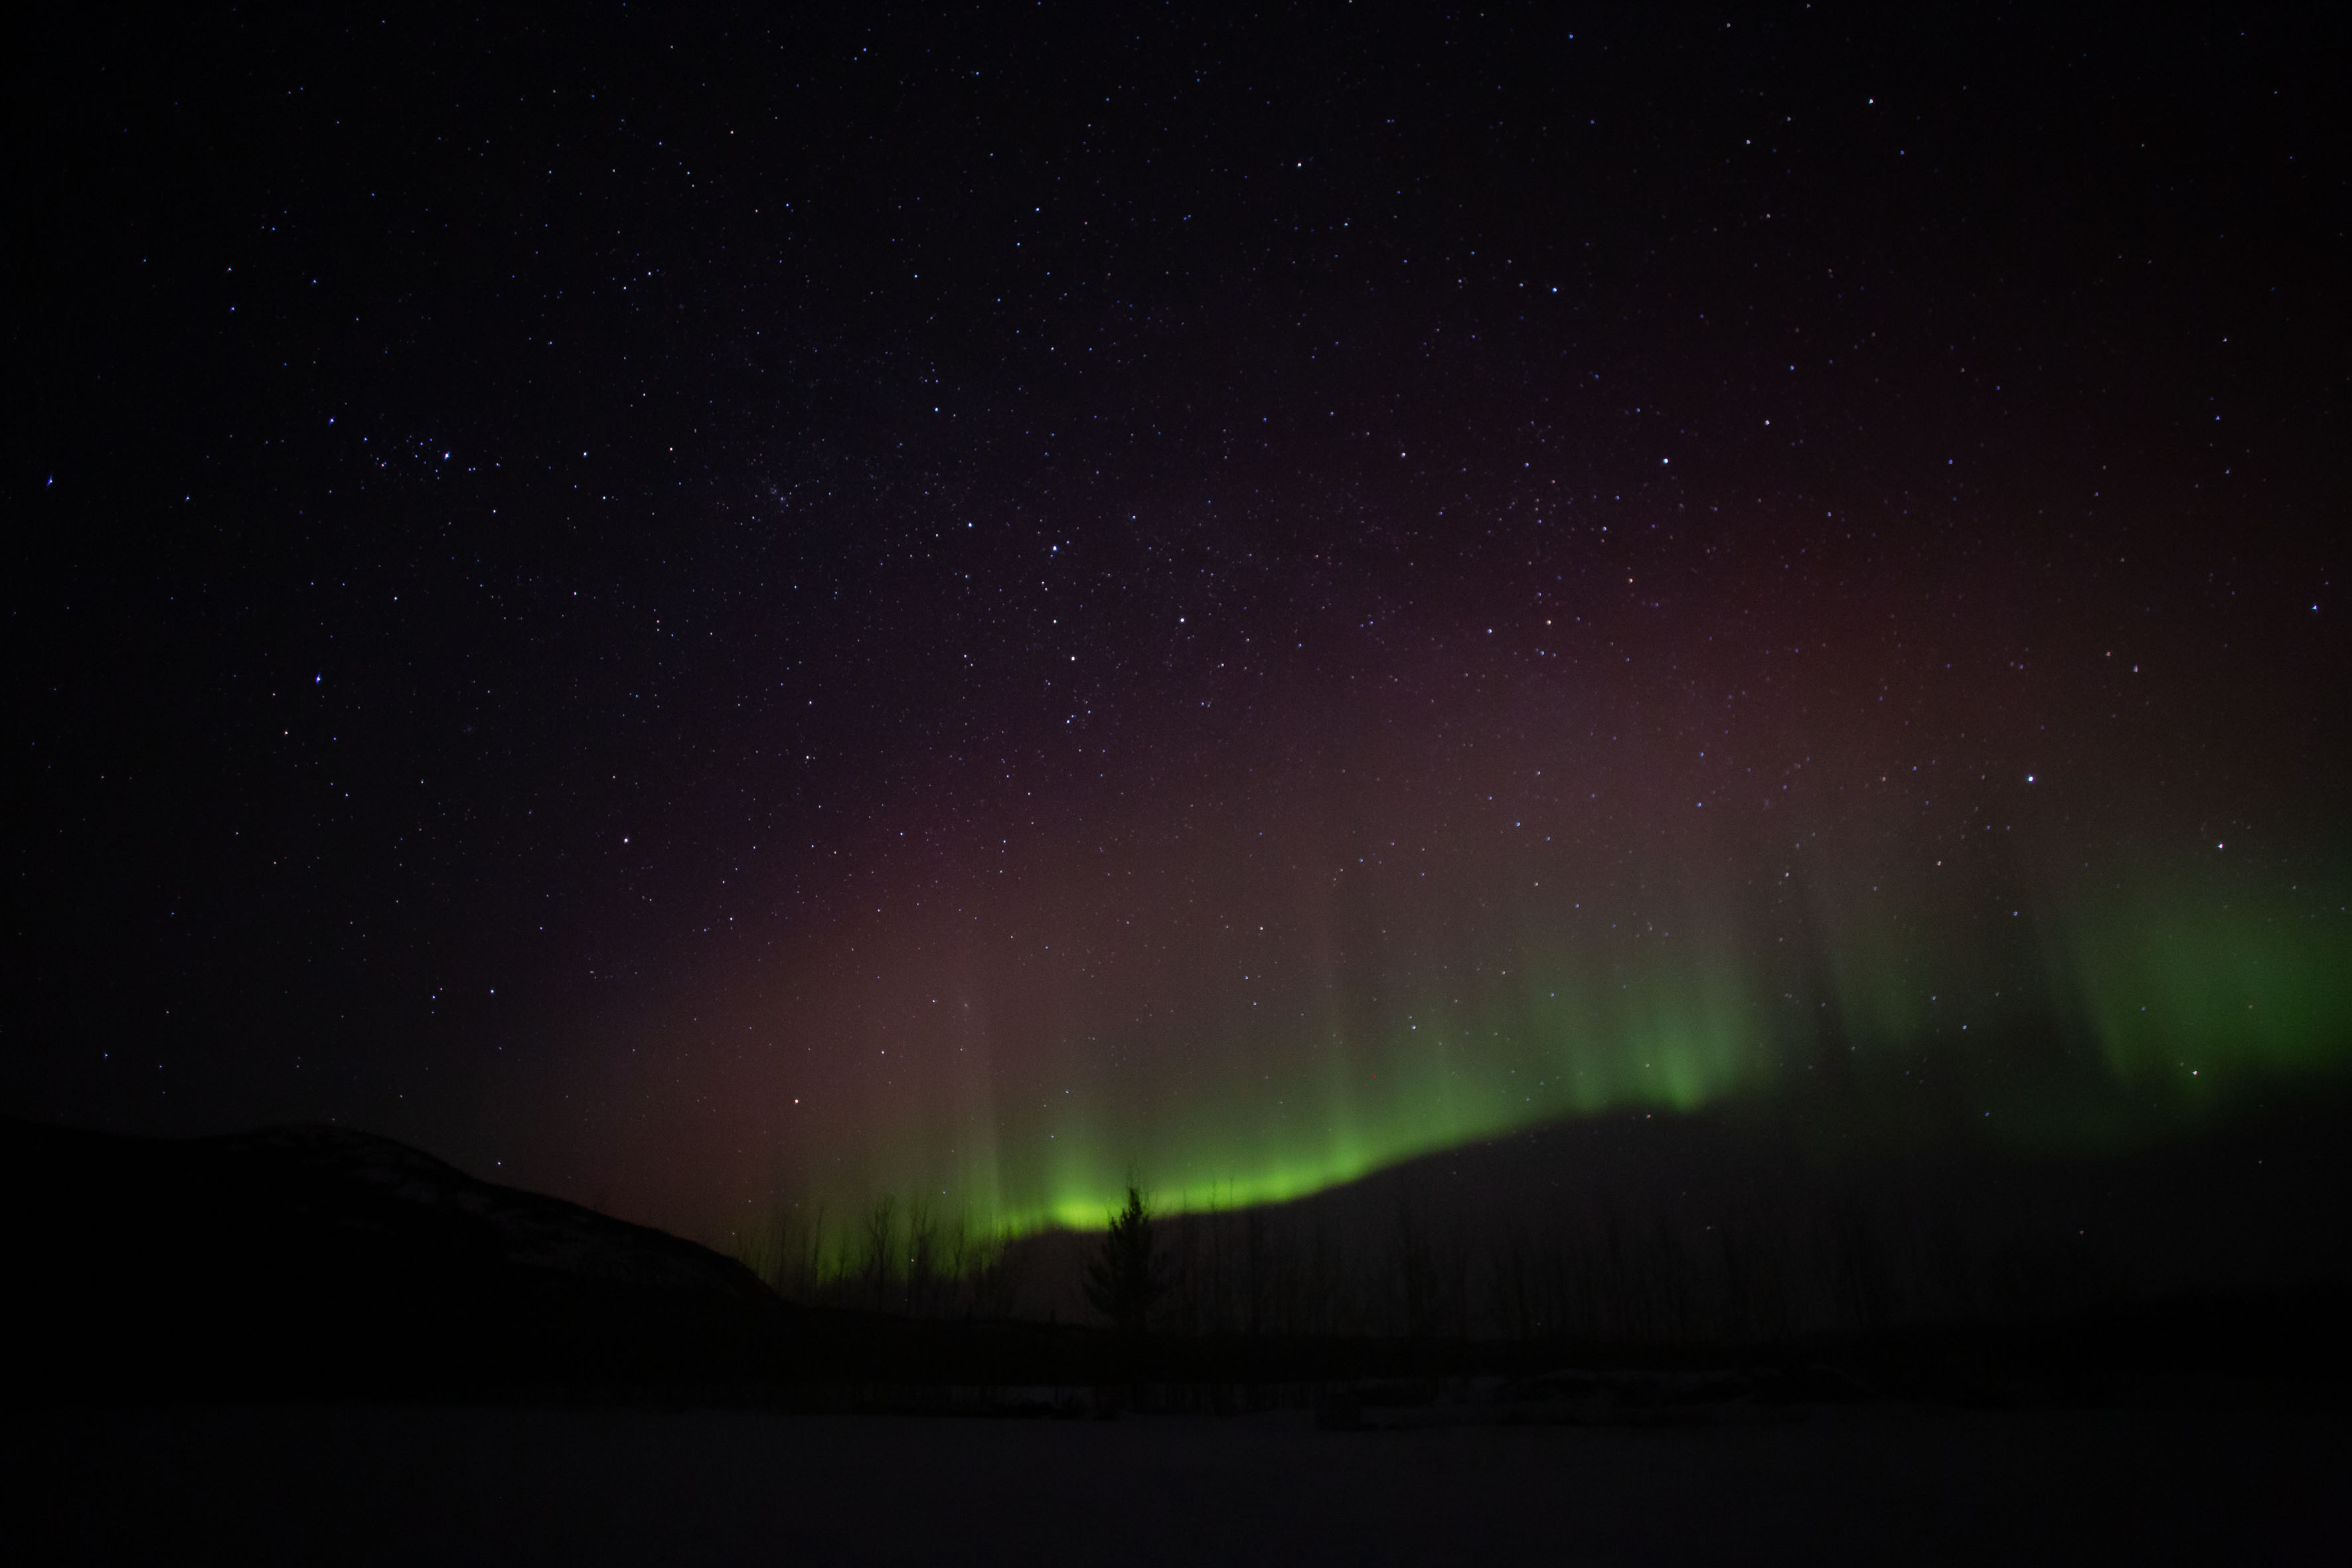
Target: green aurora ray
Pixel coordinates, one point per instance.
(1345, 935)
(2088, 1021)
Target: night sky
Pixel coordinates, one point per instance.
(702, 612)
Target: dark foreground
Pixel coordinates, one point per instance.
(1856, 1484)
(308, 1345)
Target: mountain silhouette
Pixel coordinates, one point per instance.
(316, 1261)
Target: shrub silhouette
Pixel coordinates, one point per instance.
(1125, 1281)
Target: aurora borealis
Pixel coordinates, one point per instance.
(1373, 937)
(710, 614)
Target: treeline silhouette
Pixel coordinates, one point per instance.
(1703, 1231)
(897, 1256)
(321, 1263)
(1592, 1274)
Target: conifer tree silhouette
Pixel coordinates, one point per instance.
(1126, 1280)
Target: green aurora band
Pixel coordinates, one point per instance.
(2088, 1022)
(1338, 935)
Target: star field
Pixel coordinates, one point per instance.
(707, 610)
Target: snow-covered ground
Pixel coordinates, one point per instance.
(1884, 1485)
